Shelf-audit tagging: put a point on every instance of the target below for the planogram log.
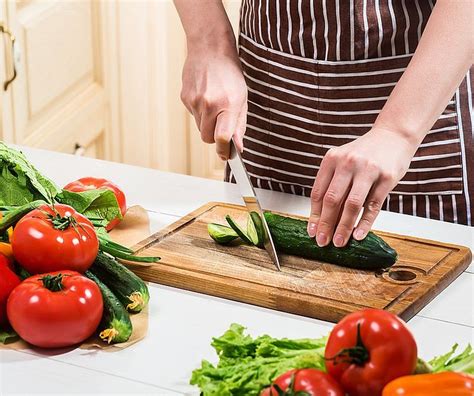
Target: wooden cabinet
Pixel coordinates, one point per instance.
(102, 78)
(58, 99)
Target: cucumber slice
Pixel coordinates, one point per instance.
(221, 234)
(252, 231)
(257, 222)
(240, 232)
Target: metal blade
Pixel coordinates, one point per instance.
(250, 198)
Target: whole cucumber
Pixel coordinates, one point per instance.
(115, 325)
(129, 288)
(290, 236)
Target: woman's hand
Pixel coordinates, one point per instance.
(357, 175)
(215, 92)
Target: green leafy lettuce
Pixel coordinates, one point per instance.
(248, 365)
(464, 362)
(100, 206)
(22, 184)
(20, 181)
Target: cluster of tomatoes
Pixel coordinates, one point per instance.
(57, 305)
(370, 353)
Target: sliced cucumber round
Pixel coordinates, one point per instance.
(221, 233)
(240, 232)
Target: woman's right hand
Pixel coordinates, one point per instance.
(215, 92)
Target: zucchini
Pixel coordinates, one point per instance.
(240, 232)
(290, 236)
(115, 325)
(221, 234)
(129, 288)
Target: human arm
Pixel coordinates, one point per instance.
(214, 88)
(360, 174)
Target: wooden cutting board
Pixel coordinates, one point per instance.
(191, 260)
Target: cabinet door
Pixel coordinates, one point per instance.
(58, 100)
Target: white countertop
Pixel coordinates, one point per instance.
(182, 323)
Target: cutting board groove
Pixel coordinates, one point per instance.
(191, 260)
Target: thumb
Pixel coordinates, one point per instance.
(226, 124)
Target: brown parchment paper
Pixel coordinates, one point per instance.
(134, 227)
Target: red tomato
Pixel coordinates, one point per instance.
(53, 310)
(53, 239)
(8, 281)
(93, 183)
(313, 382)
(368, 349)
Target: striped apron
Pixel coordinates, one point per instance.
(318, 73)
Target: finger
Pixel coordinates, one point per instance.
(241, 128)
(351, 210)
(332, 202)
(372, 207)
(207, 126)
(197, 118)
(320, 186)
(226, 124)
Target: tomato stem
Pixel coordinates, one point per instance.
(358, 354)
(291, 389)
(53, 283)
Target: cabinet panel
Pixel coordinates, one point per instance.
(57, 48)
(58, 99)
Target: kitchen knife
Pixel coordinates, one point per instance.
(250, 198)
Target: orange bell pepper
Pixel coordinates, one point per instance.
(440, 384)
(6, 248)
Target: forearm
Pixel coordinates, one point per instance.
(440, 62)
(206, 24)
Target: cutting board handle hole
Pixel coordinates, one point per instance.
(402, 275)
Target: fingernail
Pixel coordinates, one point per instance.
(359, 234)
(321, 239)
(338, 240)
(312, 227)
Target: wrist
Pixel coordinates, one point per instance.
(400, 138)
(220, 40)
(410, 134)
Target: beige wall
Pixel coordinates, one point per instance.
(104, 76)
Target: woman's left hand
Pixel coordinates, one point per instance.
(357, 175)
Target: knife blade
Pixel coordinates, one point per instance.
(250, 198)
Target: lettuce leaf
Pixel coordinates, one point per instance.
(248, 365)
(20, 181)
(100, 206)
(464, 362)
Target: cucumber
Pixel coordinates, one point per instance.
(256, 220)
(115, 325)
(221, 234)
(290, 236)
(240, 232)
(129, 288)
(252, 231)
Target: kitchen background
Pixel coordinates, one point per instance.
(101, 78)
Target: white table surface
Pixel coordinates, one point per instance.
(182, 323)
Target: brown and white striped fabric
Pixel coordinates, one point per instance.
(319, 72)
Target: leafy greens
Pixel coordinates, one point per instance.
(247, 365)
(20, 181)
